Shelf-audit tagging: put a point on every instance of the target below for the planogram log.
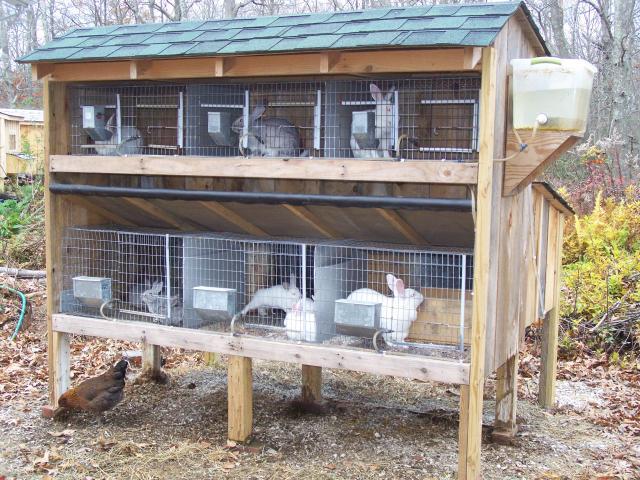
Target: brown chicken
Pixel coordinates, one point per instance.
(97, 394)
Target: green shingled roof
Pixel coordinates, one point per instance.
(440, 25)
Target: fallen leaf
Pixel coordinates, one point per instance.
(64, 433)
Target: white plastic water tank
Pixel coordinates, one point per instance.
(558, 89)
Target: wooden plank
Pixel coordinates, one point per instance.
(506, 398)
(463, 432)
(240, 398)
(151, 359)
(547, 383)
(419, 368)
(311, 219)
(56, 141)
(552, 252)
(483, 253)
(61, 356)
(104, 212)
(542, 150)
(311, 383)
(162, 215)
(345, 62)
(232, 217)
(400, 224)
(347, 169)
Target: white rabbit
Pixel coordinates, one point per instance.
(283, 297)
(131, 140)
(268, 137)
(156, 303)
(300, 322)
(398, 312)
(384, 127)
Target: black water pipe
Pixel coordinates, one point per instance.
(366, 201)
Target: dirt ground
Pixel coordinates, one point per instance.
(374, 427)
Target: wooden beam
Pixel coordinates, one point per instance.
(151, 360)
(506, 400)
(311, 384)
(483, 253)
(61, 354)
(400, 224)
(547, 383)
(56, 140)
(472, 57)
(463, 432)
(232, 217)
(542, 150)
(347, 169)
(313, 220)
(416, 367)
(137, 68)
(240, 398)
(161, 214)
(40, 71)
(99, 210)
(419, 60)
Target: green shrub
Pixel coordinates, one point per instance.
(601, 273)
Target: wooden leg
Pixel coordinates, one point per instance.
(463, 437)
(548, 367)
(152, 363)
(210, 359)
(240, 398)
(61, 354)
(506, 399)
(311, 383)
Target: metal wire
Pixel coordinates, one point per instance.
(430, 118)
(294, 290)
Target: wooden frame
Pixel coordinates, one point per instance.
(347, 169)
(494, 214)
(316, 63)
(419, 368)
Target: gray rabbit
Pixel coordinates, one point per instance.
(268, 137)
(156, 303)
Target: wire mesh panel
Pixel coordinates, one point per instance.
(127, 120)
(350, 294)
(430, 118)
(139, 275)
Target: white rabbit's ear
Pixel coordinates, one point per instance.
(376, 93)
(399, 290)
(292, 280)
(258, 111)
(391, 282)
(389, 96)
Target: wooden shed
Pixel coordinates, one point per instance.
(339, 190)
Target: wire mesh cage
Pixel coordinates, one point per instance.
(350, 294)
(429, 118)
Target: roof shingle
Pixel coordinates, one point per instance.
(440, 25)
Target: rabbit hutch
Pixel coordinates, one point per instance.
(349, 190)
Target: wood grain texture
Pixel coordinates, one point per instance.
(312, 220)
(542, 150)
(333, 62)
(400, 224)
(506, 397)
(311, 383)
(268, 168)
(547, 383)
(419, 368)
(240, 398)
(232, 217)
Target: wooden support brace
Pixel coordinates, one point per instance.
(312, 220)
(103, 212)
(328, 60)
(240, 398)
(61, 356)
(162, 214)
(399, 223)
(472, 57)
(311, 383)
(232, 217)
(210, 359)
(548, 368)
(151, 360)
(505, 428)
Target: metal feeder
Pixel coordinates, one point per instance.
(357, 318)
(94, 120)
(212, 303)
(92, 291)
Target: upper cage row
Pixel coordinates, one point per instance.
(430, 118)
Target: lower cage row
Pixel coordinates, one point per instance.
(354, 294)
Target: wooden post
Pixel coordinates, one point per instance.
(56, 141)
(504, 428)
(210, 359)
(548, 367)
(463, 433)
(240, 398)
(151, 359)
(311, 383)
(60, 354)
(483, 308)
